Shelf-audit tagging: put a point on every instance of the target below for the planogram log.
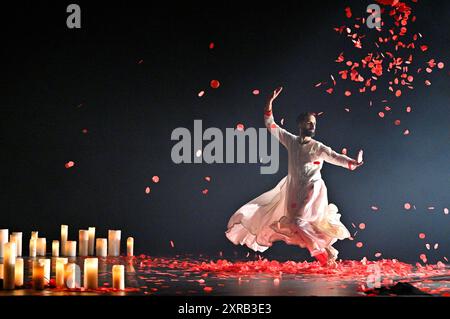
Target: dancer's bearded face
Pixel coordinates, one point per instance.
(308, 126)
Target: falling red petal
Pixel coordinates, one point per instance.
(155, 179)
(215, 84)
(69, 164)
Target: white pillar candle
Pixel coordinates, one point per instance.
(41, 247)
(19, 272)
(38, 275)
(17, 238)
(47, 269)
(91, 244)
(114, 242)
(64, 234)
(9, 266)
(70, 275)
(118, 277)
(130, 246)
(101, 247)
(91, 273)
(3, 240)
(60, 271)
(33, 247)
(55, 248)
(71, 248)
(83, 242)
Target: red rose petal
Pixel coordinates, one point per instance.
(69, 164)
(214, 84)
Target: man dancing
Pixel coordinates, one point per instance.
(296, 211)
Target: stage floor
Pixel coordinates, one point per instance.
(200, 276)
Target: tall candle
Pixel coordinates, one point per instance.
(64, 234)
(130, 246)
(91, 273)
(47, 269)
(9, 265)
(3, 240)
(17, 238)
(60, 265)
(41, 247)
(114, 242)
(71, 275)
(55, 248)
(33, 247)
(19, 272)
(38, 275)
(71, 248)
(118, 277)
(101, 247)
(91, 244)
(83, 242)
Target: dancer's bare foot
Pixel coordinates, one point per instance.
(331, 262)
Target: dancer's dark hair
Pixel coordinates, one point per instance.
(303, 116)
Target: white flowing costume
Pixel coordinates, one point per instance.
(296, 211)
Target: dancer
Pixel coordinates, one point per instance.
(296, 211)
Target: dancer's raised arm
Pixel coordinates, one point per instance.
(281, 134)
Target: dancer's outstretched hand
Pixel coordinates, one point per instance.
(359, 158)
(355, 164)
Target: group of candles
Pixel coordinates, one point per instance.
(12, 269)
